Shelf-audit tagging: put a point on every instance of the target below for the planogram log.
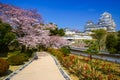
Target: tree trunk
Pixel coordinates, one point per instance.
(23, 48)
(4, 50)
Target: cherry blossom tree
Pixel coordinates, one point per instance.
(58, 42)
(20, 19)
(48, 26)
(35, 37)
(41, 37)
(29, 27)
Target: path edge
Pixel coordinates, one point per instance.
(62, 71)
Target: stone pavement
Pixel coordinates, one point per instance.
(44, 68)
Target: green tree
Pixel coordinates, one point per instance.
(111, 42)
(93, 48)
(118, 42)
(6, 36)
(99, 35)
(59, 32)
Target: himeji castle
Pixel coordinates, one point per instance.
(105, 22)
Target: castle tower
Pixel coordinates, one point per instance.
(89, 26)
(107, 22)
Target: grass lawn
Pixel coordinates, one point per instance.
(14, 68)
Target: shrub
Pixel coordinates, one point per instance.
(30, 52)
(112, 51)
(52, 51)
(93, 49)
(65, 50)
(25, 56)
(17, 59)
(13, 53)
(56, 52)
(4, 66)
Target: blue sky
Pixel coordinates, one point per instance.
(71, 13)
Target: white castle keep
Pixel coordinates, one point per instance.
(105, 22)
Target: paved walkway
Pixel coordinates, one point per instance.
(44, 68)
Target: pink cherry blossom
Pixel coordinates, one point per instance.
(29, 27)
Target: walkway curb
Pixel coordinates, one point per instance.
(55, 61)
(65, 75)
